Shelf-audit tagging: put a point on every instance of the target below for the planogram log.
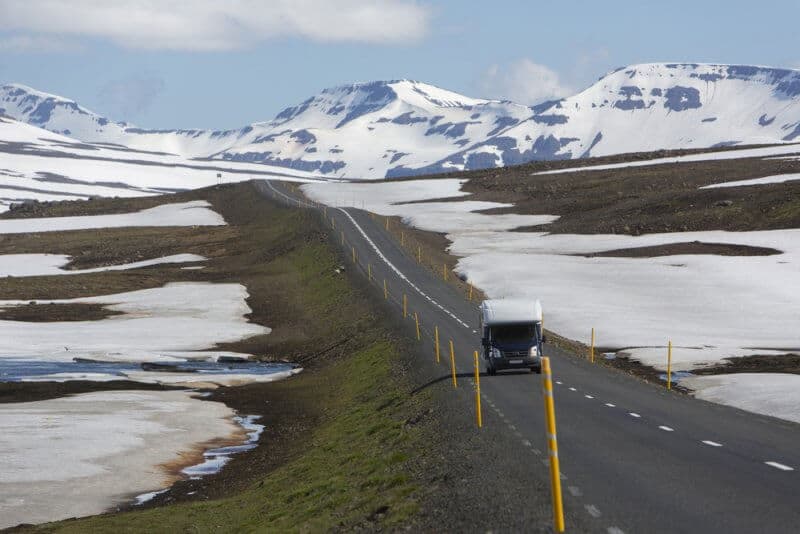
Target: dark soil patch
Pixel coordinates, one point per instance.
(36, 391)
(352, 365)
(676, 249)
(431, 250)
(48, 312)
(784, 363)
(92, 206)
(647, 199)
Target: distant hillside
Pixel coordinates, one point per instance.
(402, 127)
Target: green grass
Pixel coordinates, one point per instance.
(355, 467)
(352, 467)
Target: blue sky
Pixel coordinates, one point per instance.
(173, 63)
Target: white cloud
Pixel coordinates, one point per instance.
(524, 82)
(218, 25)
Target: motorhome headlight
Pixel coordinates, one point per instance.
(534, 352)
(496, 353)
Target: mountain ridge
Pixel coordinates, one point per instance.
(405, 127)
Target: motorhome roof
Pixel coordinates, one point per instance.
(509, 311)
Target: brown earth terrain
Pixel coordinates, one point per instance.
(362, 439)
(676, 249)
(645, 199)
(640, 200)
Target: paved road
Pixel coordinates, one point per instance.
(634, 457)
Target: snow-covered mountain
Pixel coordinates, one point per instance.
(39, 165)
(66, 117)
(398, 128)
(370, 130)
(652, 107)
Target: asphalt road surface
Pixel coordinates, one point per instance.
(634, 457)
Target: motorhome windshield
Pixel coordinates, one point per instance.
(513, 333)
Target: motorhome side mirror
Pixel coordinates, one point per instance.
(484, 342)
(544, 339)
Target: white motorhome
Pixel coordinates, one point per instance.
(511, 334)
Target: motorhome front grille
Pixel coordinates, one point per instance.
(515, 353)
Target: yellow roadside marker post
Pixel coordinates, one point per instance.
(479, 420)
(419, 254)
(342, 237)
(387, 223)
(402, 239)
(405, 306)
(453, 364)
(416, 321)
(470, 291)
(385, 290)
(552, 445)
(354, 254)
(436, 340)
(669, 366)
(591, 352)
(369, 271)
(444, 272)
(333, 223)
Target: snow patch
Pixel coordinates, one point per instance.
(173, 322)
(53, 264)
(773, 394)
(82, 454)
(193, 213)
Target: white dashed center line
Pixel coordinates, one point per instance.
(593, 510)
(782, 467)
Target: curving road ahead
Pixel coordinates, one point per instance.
(634, 457)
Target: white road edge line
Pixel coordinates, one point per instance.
(588, 396)
(634, 414)
(666, 428)
(782, 467)
(711, 443)
(384, 259)
(611, 405)
(398, 272)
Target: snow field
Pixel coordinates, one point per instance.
(773, 394)
(765, 152)
(53, 264)
(176, 321)
(193, 213)
(711, 307)
(82, 454)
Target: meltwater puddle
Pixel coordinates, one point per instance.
(215, 459)
(23, 370)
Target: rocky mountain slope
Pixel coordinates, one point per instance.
(402, 127)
